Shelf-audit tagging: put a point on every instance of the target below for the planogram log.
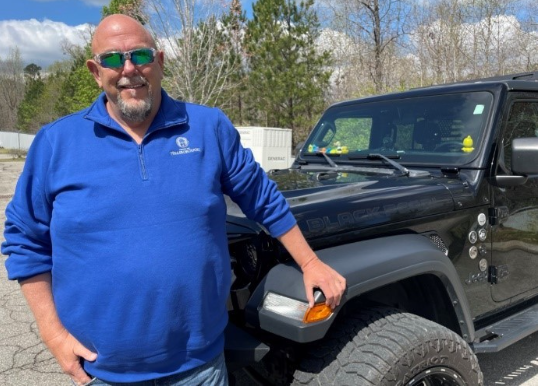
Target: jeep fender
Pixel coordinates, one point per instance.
(366, 265)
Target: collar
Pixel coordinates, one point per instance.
(170, 113)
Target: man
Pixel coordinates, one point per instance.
(116, 231)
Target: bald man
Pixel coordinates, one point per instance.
(117, 231)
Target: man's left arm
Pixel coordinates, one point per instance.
(244, 181)
(316, 273)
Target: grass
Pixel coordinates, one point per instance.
(16, 155)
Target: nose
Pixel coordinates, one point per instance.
(129, 67)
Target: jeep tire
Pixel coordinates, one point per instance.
(386, 347)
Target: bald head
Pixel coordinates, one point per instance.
(115, 27)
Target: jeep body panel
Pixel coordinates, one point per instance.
(366, 265)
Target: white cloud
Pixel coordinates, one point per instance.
(40, 42)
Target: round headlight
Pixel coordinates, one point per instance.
(482, 234)
(482, 219)
(483, 265)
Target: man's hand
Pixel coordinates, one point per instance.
(319, 275)
(68, 352)
(316, 273)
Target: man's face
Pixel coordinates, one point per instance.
(132, 90)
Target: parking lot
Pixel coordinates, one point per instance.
(25, 361)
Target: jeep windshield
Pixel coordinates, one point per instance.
(433, 130)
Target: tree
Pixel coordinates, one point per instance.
(11, 88)
(29, 107)
(32, 70)
(489, 34)
(198, 63)
(440, 41)
(457, 39)
(234, 99)
(376, 27)
(133, 8)
(287, 75)
(79, 89)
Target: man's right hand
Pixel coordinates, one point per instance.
(68, 351)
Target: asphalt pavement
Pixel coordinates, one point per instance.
(25, 361)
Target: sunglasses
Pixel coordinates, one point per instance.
(139, 57)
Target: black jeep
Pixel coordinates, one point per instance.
(427, 202)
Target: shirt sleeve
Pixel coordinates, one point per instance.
(246, 183)
(27, 238)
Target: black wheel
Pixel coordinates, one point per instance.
(386, 347)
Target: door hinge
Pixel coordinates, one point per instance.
(497, 273)
(498, 214)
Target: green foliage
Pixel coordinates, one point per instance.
(79, 89)
(42, 99)
(353, 133)
(29, 107)
(234, 98)
(133, 8)
(32, 70)
(287, 76)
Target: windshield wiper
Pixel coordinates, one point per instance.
(328, 159)
(404, 171)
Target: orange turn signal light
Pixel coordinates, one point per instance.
(319, 312)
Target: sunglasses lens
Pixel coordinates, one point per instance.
(112, 60)
(142, 56)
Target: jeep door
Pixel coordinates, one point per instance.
(514, 215)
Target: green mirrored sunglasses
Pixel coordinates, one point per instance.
(115, 59)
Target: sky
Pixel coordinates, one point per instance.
(37, 28)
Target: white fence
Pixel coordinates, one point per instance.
(16, 141)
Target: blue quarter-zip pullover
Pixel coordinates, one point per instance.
(134, 235)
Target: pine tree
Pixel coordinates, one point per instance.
(79, 88)
(29, 107)
(234, 99)
(287, 74)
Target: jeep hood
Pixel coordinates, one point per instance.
(327, 202)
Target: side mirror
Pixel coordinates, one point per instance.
(525, 156)
(524, 161)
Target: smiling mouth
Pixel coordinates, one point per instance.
(131, 86)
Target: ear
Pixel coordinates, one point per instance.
(161, 62)
(94, 69)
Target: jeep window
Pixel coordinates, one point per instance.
(354, 131)
(436, 130)
(522, 123)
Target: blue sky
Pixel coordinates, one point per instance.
(70, 12)
(37, 28)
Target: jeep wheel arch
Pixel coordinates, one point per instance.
(367, 265)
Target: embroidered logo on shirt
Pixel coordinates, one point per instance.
(183, 147)
(182, 142)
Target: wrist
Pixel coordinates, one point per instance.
(308, 262)
(51, 333)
